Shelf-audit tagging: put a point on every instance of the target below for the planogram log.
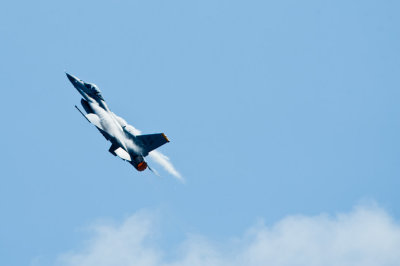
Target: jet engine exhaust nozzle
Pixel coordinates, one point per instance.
(141, 166)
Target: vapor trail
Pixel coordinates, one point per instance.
(165, 162)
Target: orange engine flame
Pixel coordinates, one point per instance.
(141, 166)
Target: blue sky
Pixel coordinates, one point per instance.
(273, 109)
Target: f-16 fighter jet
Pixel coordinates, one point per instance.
(124, 142)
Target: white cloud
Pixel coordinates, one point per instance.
(366, 236)
(124, 244)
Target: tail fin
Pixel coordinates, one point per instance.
(152, 141)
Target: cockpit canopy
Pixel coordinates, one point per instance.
(94, 89)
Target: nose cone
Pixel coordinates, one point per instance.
(79, 86)
(72, 78)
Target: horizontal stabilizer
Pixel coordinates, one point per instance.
(120, 152)
(152, 141)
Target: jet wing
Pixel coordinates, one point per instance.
(92, 118)
(95, 120)
(152, 141)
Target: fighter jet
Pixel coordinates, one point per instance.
(124, 142)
